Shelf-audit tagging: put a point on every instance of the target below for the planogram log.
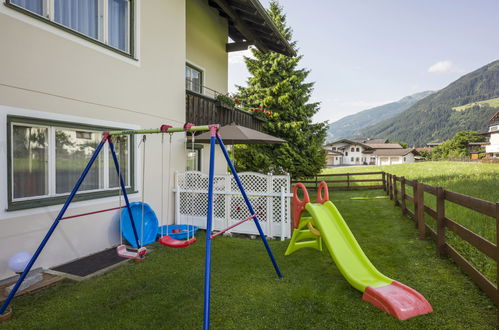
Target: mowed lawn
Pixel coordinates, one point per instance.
(473, 179)
(166, 290)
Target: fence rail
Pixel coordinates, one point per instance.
(443, 223)
(324, 177)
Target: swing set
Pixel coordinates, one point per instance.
(166, 239)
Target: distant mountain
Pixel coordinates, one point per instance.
(466, 104)
(350, 125)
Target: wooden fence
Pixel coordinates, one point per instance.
(390, 183)
(443, 223)
(379, 183)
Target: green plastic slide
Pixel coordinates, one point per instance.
(346, 252)
(321, 224)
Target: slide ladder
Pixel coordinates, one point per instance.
(320, 223)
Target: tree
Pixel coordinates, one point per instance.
(277, 84)
(457, 146)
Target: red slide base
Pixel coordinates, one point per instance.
(398, 300)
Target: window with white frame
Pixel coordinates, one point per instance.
(106, 21)
(46, 159)
(193, 79)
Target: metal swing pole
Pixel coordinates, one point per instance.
(123, 189)
(54, 225)
(209, 219)
(248, 204)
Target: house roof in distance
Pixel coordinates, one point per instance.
(347, 141)
(495, 117)
(384, 145)
(249, 24)
(369, 141)
(395, 152)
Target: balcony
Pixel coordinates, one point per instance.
(202, 110)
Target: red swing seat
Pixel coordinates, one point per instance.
(124, 253)
(175, 243)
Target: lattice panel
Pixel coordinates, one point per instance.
(264, 192)
(252, 182)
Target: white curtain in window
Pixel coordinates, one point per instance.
(79, 15)
(36, 6)
(118, 23)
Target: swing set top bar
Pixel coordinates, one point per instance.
(165, 129)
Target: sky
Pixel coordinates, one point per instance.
(367, 53)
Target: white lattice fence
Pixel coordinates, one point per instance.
(269, 194)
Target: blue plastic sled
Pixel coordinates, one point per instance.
(150, 228)
(183, 234)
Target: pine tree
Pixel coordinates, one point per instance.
(277, 84)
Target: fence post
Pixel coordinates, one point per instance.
(390, 186)
(283, 211)
(420, 217)
(440, 221)
(415, 201)
(402, 193)
(383, 178)
(395, 198)
(316, 182)
(348, 181)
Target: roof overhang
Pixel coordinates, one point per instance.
(495, 117)
(249, 24)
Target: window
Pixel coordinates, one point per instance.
(404, 159)
(333, 148)
(47, 158)
(193, 79)
(357, 149)
(351, 159)
(108, 22)
(352, 149)
(346, 153)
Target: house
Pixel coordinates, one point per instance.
(367, 152)
(70, 70)
(492, 146)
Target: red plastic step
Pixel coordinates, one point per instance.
(398, 300)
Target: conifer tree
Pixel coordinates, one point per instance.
(277, 84)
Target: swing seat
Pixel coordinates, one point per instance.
(175, 243)
(124, 253)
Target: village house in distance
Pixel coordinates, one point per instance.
(492, 134)
(367, 152)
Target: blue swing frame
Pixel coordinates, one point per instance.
(215, 138)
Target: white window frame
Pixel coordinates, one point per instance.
(51, 174)
(48, 14)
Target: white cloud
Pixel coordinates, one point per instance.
(445, 67)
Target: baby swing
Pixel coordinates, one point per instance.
(167, 240)
(122, 250)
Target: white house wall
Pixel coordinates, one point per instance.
(50, 74)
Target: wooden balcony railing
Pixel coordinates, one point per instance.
(203, 110)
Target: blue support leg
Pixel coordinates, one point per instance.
(52, 228)
(207, 272)
(248, 204)
(125, 195)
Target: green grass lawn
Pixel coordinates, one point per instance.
(473, 179)
(166, 290)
